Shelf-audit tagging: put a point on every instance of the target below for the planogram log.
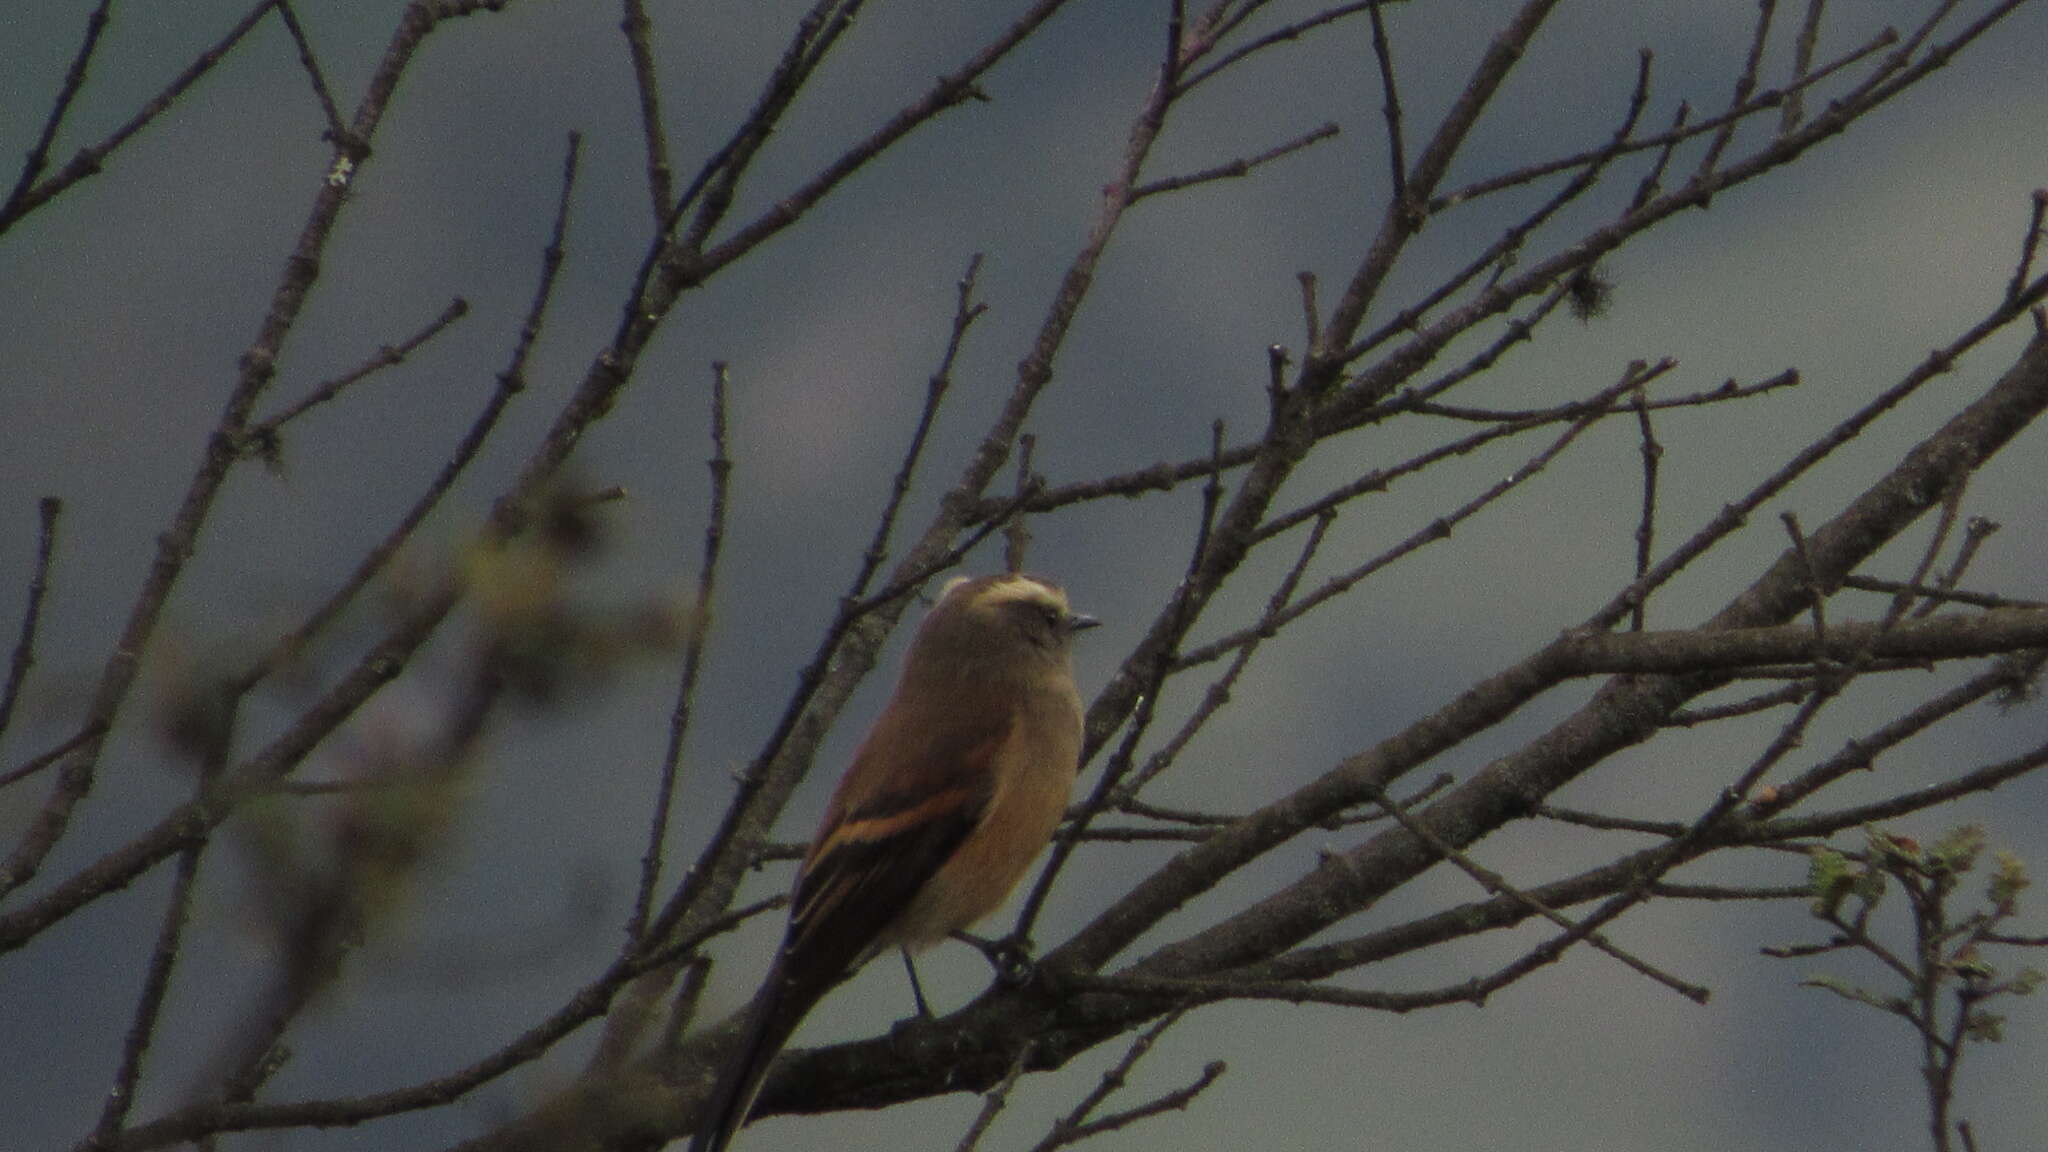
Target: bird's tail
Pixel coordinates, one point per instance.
(774, 1014)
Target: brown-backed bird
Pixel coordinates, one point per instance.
(949, 799)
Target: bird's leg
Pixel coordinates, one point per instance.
(1009, 956)
(916, 989)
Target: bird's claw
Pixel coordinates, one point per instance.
(1010, 957)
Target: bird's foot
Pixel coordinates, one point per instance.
(1010, 957)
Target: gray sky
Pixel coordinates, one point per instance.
(123, 308)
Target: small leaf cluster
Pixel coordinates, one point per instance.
(1943, 979)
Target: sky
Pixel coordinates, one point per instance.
(124, 305)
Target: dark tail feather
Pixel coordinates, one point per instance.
(774, 1015)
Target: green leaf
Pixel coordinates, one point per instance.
(1958, 850)
(2008, 880)
(1830, 876)
(1988, 1027)
(1870, 888)
(1890, 848)
(1969, 965)
(1848, 991)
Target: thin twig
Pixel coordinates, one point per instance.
(1390, 96)
(1679, 132)
(683, 1005)
(1802, 63)
(265, 433)
(1312, 320)
(1076, 1126)
(1178, 615)
(966, 310)
(1286, 33)
(1820, 825)
(1951, 511)
(2030, 244)
(48, 509)
(1165, 477)
(639, 32)
(510, 382)
(587, 1003)
(1814, 589)
(1860, 753)
(255, 369)
(1978, 530)
(1748, 706)
(1496, 255)
(1438, 529)
(1218, 693)
(1176, 47)
(337, 132)
(1017, 532)
(1243, 166)
(1402, 221)
(948, 92)
(149, 1004)
(1948, 595)
(720, 465)
(1733, 515)
(993, 1100)
(74, 80)
(30, 194)
(1498, 885)
(1646, 525)
(49, 756)
(1652, 183)
(1606, 822)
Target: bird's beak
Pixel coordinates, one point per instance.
(1077, 622)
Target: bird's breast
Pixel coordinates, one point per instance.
(1034, 771)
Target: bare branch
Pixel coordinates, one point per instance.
(1939, 595)
(1285, 34)
(1978, 530)
(1802, 63)
(48, 509)
(720, 466)
(1621, 713)
(1646, 524)
(263, 436)
(1438, 529)
(1076, 1127)
(1498, 885)
(510, 382)
(149, 1005)
(336, 131)
(1401, 223)
(992, 1104)
(30, 194)
(2030, 243)
(257, 365)
(1243, 166)
(1397, 157)
(1745, 83)
(639, 32)
(1666, 142)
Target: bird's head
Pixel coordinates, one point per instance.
(1008, 617)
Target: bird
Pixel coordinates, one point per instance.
(949, 798)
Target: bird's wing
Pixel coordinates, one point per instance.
(869, 862)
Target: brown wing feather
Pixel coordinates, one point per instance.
(888, 828)
(864, 874)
